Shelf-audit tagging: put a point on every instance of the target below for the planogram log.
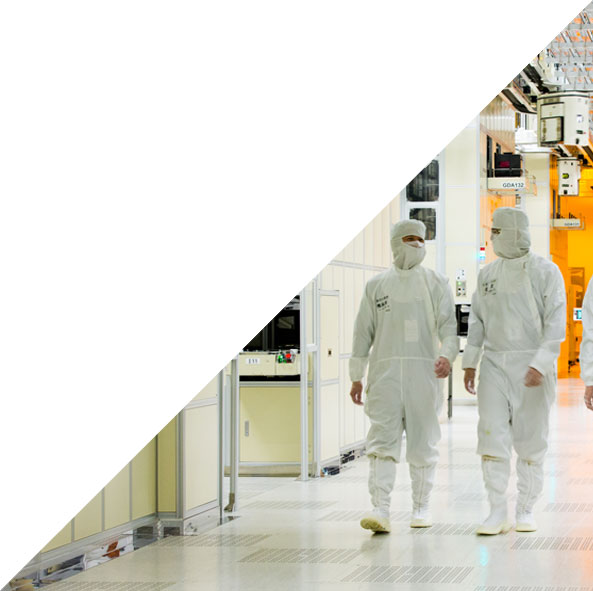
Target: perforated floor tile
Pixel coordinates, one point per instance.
(290, 505)
(75, 585)
(445, 529)
(212, 540)
(553, 543)
(439, 575)
(308, 555)
(569, 508)
(357, 515)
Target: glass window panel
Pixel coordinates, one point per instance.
(428, 215)
(425, 187)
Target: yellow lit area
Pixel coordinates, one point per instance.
(572, 251)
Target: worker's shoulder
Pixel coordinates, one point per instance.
(543, 266)
(435, 276)
(379, 279)
(489, 270)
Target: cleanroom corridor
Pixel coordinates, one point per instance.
(260, 481)
(296, 535)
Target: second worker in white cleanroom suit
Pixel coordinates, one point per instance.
(404, 313)
(518, 318)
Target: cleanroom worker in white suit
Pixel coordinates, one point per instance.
(518, 318)
(404, 313)
(586, 356)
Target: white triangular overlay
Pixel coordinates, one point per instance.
(171, 173)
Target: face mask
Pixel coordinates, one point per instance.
(407, 255)
(509, 244)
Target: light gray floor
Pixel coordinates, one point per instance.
(294, 535)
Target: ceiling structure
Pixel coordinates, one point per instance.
(565, 65)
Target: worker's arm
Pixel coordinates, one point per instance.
(586, 355)
(475, 332)
(362, 341)
(447, 332)
(553, 321)
(475, 341)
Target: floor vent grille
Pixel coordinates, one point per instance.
(440, 575)
(111, 586)
(569, 508)
(212, 540)
(267, 505)
(357, 515)
(446, 529)
(303, 555)
(553, 543)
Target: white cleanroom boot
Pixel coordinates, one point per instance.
(422, 482)
(381, 481)
(496, 472)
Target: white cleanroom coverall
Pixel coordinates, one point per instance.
(586, 355)
(518, 318)
(403, 314)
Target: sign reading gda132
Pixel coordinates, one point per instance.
(513, 184)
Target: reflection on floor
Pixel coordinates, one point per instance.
(294, 535)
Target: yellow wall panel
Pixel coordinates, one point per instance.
(144, 482)
(273, 417)
(117, 499)
(210, 390)
(167, 468)
(200, 456)
(88, 521)
(61, 539)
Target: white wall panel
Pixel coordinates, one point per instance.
(348, 433)
(461, 213)
(358, 292)
(327, 277)
(348, 310)
(540, 240)
(359, 248)
(210, 391)
(344, 388)
(369, 241)
(377, 241)
(330, 422)
(461, 159)
(329, 345)
(348, 253)
(359, 427)
(395, 210)
(385, 246)
(201, 463)
(462, 256)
